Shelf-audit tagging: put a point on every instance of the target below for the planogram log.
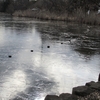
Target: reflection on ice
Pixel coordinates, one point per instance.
(40, 98)
(56, 67)
(13, 84)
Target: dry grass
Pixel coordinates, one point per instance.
(93, 18)
(79, 16)
(41, 15)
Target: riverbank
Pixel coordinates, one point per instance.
(86, 12)
(91, 91)
(80, 17)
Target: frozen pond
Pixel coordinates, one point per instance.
(43, 57)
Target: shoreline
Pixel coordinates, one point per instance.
(92, 19)
(81, 18)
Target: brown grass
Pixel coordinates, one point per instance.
(79, 16)
(93, 19)
(41, 15)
